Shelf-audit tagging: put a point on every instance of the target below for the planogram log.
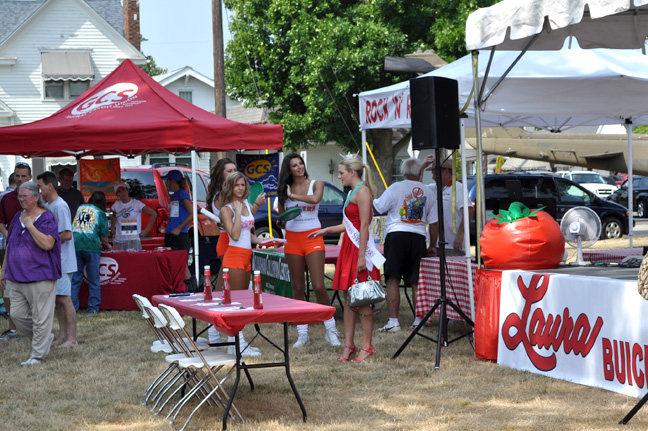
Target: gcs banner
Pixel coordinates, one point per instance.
(263, 168)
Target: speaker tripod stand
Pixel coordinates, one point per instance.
(442, 302)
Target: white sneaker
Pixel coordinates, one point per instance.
(31, 361)
(332, 338)
(390, 328)
(250, 352)
(302, 341)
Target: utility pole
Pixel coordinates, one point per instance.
(219, 65)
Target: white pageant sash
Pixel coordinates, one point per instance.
(372, 255)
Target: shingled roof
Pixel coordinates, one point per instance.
(13, 13)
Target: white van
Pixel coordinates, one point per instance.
(592, 181)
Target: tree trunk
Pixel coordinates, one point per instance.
(383, 151)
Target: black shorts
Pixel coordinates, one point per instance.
(180, 242)
(403, 253)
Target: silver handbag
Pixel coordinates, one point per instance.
(366, 292)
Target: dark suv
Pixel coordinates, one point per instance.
(330, 214)
(557, 194)
(639, 192)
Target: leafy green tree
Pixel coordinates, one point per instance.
(304, 60)
(151, 68)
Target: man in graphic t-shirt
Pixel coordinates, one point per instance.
(127, 214)
(410, 206)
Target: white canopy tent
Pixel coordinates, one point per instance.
(544, 25)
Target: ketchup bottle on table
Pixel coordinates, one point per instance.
(227, 291)
(258, 299)
(208, 286)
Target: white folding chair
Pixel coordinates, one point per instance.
(204, 364)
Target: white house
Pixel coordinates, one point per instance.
(51, 51)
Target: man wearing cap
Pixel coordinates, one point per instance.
(180, 216)
(127, 214)
(73, 197)
(410, 206)
(9, 207)
(454, 232)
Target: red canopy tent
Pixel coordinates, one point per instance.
(128, 113)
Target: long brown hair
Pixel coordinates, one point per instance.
(227, 193)
(285, 176)
(216, 179)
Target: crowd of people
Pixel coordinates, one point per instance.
(52, 240)
(411, 233)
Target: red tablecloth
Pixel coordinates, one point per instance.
(146, 273)
(611, 256)
(276, 309)
(429, 285)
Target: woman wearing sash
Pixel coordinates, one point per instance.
(297, 191)
(358, 255)
(238, 220)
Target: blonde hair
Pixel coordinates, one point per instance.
(353, 164)
(227, 193)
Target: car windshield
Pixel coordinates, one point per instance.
(588, 178)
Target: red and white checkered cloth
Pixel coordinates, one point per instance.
(610, 256)
(456, 282)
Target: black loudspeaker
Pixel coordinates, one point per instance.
(435, 113)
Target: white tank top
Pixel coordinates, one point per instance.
(216, 212)
(307, 220)
(247, 223)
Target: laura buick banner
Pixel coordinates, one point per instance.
(588, 330)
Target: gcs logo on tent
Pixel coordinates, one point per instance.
(258, 168)
(112, 95)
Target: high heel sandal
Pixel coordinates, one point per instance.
(351, 354)
(370, 352)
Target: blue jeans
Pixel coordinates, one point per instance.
(90, 261)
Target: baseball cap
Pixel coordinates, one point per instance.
(173, 174)
(120, 185)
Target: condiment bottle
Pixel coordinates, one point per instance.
(258, 300)
(208, 286)
(227, 291)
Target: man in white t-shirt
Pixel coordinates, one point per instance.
(410, 207)
(65, 312)
(453, 229)
(127, 214)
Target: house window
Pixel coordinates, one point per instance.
(66, 75)
(65, 90)
(186, 95)
(397, 175)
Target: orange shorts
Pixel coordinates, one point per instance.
(300, 244)
(238, 258)
(223, 243)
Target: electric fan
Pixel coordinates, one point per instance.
(581, 228)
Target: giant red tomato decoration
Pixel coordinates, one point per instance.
(521, 239)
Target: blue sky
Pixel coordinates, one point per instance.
(179, 33)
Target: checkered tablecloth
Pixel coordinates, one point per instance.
(429, 286)
(610, 256)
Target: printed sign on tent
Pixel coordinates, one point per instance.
(260, 168)
(99, 175)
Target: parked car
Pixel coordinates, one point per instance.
(330, 214)
(558, 194)
(619, 178)
(592, 181)
(639, 193)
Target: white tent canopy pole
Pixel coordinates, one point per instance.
(194, 204)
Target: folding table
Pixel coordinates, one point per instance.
(231, 319)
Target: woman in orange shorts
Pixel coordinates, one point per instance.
(296, 190)
(238, 221)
